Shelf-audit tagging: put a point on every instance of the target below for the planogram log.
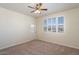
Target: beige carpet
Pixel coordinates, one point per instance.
(38, 47)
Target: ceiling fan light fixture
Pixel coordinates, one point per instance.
(37, 11)
(38, 8)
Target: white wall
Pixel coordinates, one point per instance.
(15, 28)
(71, 35)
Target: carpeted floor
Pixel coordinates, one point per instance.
(38, 47)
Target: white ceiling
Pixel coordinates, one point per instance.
(52, 7)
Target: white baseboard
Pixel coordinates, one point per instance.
(7, 46)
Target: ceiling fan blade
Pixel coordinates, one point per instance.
(31, 7)
(32, 11)
(44, 9)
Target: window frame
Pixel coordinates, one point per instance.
(57, 31)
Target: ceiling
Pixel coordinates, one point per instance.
(52, 7)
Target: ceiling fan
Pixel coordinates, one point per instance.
(38, 8)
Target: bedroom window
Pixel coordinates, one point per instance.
(49, 24)
(55, 24)
(45, 25)
(60, 24)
